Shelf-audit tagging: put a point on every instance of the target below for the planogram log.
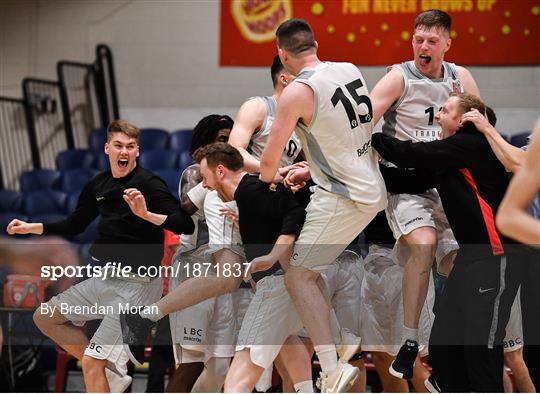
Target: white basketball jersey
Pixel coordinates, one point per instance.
(337, 143)
(260, 138)
(412, 117)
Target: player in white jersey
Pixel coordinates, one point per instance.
(199, 332)
(254, 121)
(409, 95)
(249, 135)
(328, 104)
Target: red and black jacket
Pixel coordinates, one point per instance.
(468, 176)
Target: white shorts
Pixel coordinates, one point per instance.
(332, 222)
(407, 212)
(207, 328)
(98, 298)
(381, 312)
(344, 281)
(513, 339)
(270, 318)
(241, 300)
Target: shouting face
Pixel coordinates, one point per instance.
(123, 152)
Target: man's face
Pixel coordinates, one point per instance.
(429, 47)
(123, 152)
(213, 177)
(223, 135)
(449, 117)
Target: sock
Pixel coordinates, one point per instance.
(304, 387)
(410, 334)
(151, 312)
(335, 327)
(327, 357)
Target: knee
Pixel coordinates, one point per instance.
(296, 275)
(232, 284)
(514, 360)
(93, 367)
(41, 319)
(421, 238)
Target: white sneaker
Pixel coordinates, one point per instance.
(349, 346)
(117, 383)
(340, 380)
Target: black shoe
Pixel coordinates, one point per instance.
(135, 331)
(431, 385)
(403, 365)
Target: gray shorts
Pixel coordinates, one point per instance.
(104, 299)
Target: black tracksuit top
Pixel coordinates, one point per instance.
(264, 215)
(122, 236)
(468, 176)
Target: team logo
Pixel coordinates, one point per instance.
(258, 20)
(456, 87)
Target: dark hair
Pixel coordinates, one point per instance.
(220, 153)
(434, 18)
(124, 127)
(295, 36)
(206, 130)
(276, 69)
(491, 117)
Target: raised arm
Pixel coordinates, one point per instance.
(295, 104)
(452, 152)
(511, 157)
(512, 218)
(163, 209)
(386, 92)
(249, 120)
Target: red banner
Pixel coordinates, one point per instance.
(379, 32)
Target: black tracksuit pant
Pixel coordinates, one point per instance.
(465, 347)
(530, 311)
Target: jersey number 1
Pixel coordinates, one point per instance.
(340, 96)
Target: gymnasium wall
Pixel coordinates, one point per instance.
(166, 59)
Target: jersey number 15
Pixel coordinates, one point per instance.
(339, 96)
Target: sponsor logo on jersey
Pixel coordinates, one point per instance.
(456, 87)
(258, 20)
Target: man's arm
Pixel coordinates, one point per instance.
(249, 120)
(512, 218)
(452, 152)
(400, 180)
(386, 92)
(282, 252)
(85, 212)
(295, 104)
(190, 179)
(164, 209)
(511, 157)
(467, 80)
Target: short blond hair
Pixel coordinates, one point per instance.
(123, 126)
(468, 101)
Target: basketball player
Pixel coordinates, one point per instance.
(329, 106)
(409, 96)
(203, 335)
(122, 238)
(254, 121)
